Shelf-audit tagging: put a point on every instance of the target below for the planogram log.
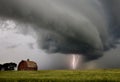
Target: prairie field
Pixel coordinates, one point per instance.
(105, 75)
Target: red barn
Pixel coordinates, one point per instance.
(27, 65)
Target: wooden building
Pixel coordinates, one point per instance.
(27, 65)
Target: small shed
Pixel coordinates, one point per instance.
(27, 65)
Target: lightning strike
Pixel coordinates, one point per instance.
(75, 59)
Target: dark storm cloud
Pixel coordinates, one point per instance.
(67, 26)
(113, 7)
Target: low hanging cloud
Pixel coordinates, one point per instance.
(87, 27)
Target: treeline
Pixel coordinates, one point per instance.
(8, 66)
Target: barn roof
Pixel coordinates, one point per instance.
(30, 64)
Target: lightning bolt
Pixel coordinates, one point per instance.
(75, 59)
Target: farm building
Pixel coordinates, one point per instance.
(27, 65)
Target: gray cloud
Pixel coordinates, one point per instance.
(66, 26)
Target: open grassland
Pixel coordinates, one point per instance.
(112, 75)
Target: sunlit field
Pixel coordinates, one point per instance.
(111, 75)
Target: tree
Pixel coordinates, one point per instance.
(0, 67)
(9, 66)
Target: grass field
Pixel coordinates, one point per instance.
(112, 75)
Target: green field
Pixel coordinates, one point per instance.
(112, 75)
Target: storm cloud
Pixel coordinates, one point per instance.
(87, 27)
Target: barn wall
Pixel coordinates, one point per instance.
(22, 66)
(30, 68)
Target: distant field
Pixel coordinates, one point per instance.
(112, 75)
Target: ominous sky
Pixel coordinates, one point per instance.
(51, 31)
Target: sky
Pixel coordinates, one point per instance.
(52, 32)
